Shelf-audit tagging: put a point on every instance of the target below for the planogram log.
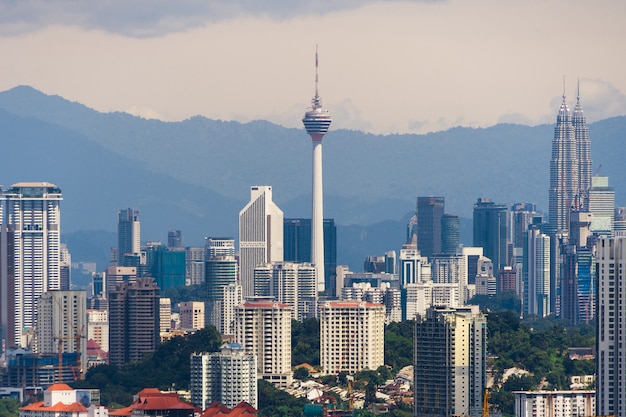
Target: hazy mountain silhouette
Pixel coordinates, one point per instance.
(195, 175)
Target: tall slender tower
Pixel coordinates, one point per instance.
(317, 121)
(33, 239)
(583, 151)
(563, 170)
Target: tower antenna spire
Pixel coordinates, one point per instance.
(578, 90)
(316, 73)
(563, 87)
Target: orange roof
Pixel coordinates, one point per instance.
(153, 399)
(243, 409)
(59, 387)
(122, 412)
(58, 407)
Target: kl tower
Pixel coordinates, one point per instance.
(317, 121)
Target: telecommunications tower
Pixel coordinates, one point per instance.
(317, 121)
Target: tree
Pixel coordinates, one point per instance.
(301, 373)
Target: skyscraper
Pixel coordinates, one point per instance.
(450, 362)
(298, 247)
(610, 330)
(317, 121)
(260, 235)
(289, 283)
(128, 236)
(263, 328)
(583, 152)
(134, 322)
(450, 234)
(33, 239)
(490, 231)
(602, 205)
(537, 300)
(221, 271)
(429, 211)
(563, 171)
(351, 336)
(61, 325)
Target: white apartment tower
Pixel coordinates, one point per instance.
(32, 246)
(351, 336)
(611, 327)
(263, 328)
(289, 283)
(228, 376)
(260, 235)
(536, 271)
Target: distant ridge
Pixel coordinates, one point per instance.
(195, 174)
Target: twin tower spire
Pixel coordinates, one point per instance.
(570, 165)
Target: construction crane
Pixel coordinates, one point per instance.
(78, 335)
(485, 403)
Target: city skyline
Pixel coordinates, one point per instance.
(422, 49)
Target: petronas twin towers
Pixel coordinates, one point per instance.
(570, 166)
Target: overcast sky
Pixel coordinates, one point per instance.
(385, 66)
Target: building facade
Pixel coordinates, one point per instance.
(221, 271)
(128, 236)
(61, 325)
(297, 241)
(611, 327)
(228, 376)
(351, 336)
(32, 244)
(555, 403)
(134, 323)
(450, 362)
(290, 283)
(491, 231)
(192, 315)
(263, 328)
(429, 211)
(260, 235)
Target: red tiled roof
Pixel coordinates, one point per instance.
(243, 409)
(58, 407)
(122, 412)
(59, 387)
(153, 399)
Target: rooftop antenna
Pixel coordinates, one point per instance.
(563, 87)
(578, 90)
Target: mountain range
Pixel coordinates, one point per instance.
(195, 175)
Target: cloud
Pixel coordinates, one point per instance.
(146, 18)
(600, 99)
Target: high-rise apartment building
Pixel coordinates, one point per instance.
(65, 268)
(260, 235)
(165, 315)
(228, 376)
(450, 362)
(263, 328)
(290, 283)
(166, 265)
(191, 315)
(351, 336)
(195, 265)
(490, 231)
(297, 241)
(611, 327)
(128, 236)
(32, 245)
(231, 299)
(133, 320)
(602, 206)
(410, 264)
(555, 403)
(221, 271)
(61, 324)
(429, 211)
(536, 273)
(316, 122)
